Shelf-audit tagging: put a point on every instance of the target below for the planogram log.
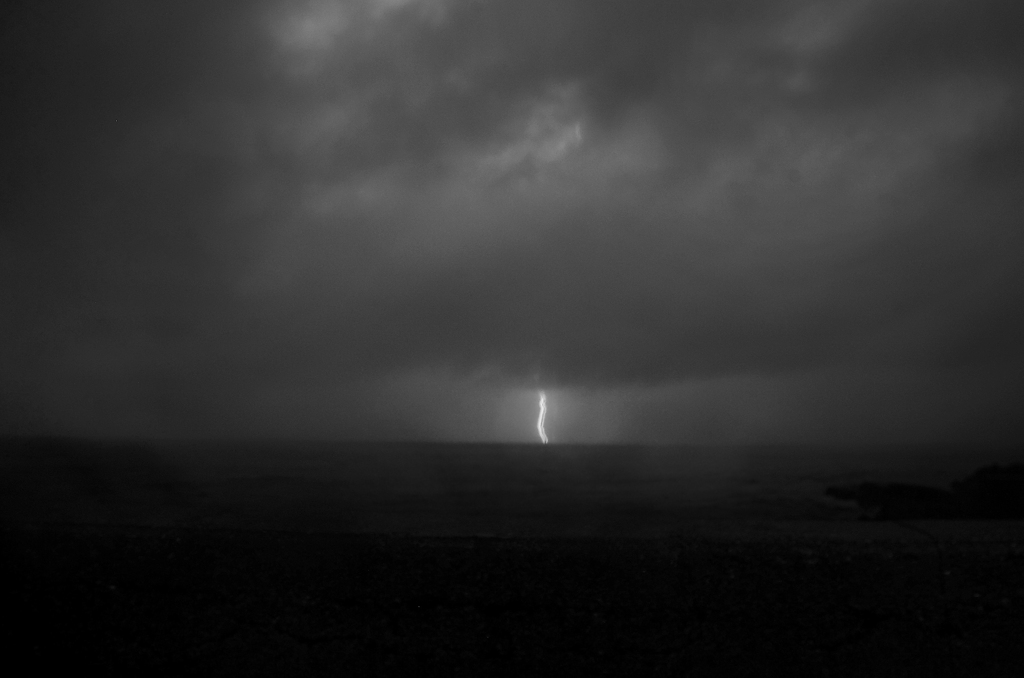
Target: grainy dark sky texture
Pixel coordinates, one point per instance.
(713, 221)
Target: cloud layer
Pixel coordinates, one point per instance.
(720, 221)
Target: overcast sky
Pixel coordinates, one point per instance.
(770, 221)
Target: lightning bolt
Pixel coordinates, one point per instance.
(540, 419)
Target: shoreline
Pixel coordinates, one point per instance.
(727, 529)
(757, 598)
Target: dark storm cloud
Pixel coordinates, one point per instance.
(217, 211)
(903, 42)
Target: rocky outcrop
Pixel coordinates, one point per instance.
(990, 493)
(895, 501)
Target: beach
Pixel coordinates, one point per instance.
(722, 598)
(494, 560)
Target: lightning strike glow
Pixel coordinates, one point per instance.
(540, 419)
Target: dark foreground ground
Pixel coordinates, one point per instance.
(858, 599)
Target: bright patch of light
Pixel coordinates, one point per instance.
(548, 132)
(313, 28)
(540, 419)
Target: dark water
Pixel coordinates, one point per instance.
(482, 489)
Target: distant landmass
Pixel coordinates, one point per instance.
(991, 493)
(491, 489)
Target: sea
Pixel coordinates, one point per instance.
(451, 489)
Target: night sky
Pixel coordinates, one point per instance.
(770, 221)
